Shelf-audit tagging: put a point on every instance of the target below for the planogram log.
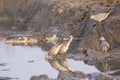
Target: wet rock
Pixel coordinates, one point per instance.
(103, 77)
(5, 78)
(3, 64)
(41, 77)
(98, 76)
(5, 69)
(31, 61)
(78, 75)
(61, 76)
(67, 76)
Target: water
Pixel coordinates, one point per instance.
(21, 63)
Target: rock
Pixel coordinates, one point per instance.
(103, 77)
(41, 77)
(78, 75)
(5, 78)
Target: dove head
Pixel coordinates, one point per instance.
(92, 17)
(102, 38)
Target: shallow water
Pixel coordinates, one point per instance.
(20, 62)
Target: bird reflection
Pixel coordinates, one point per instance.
(102, 65)
(57, 57)
(59, 63)
(106, 66)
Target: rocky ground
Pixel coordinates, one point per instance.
(48, 17)
(76, 76)
(65, 17)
